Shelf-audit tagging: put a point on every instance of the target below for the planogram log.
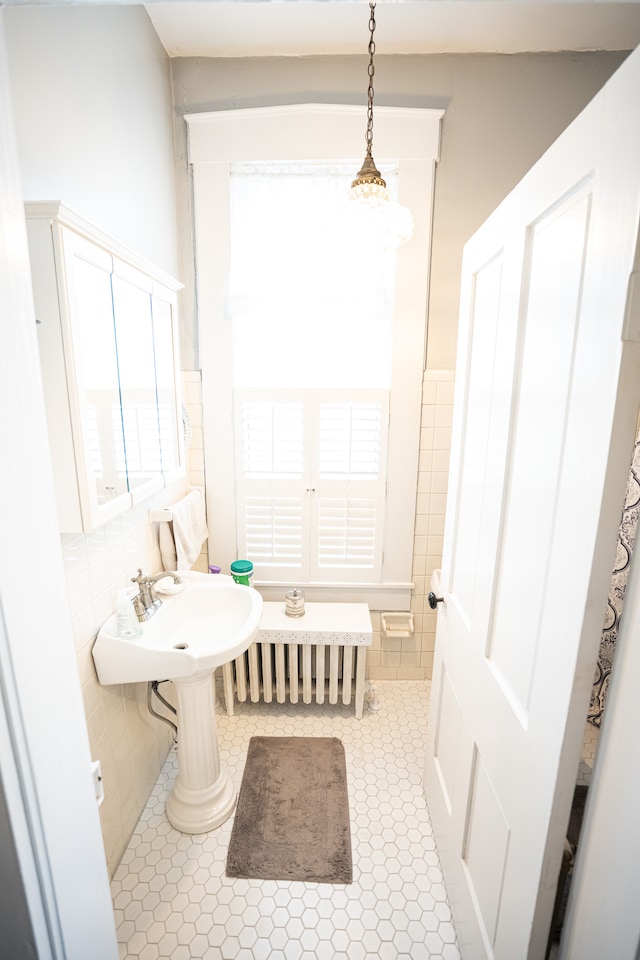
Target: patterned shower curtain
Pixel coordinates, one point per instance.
(626, 538)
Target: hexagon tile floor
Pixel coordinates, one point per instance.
(172, 898)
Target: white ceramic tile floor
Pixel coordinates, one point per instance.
(172, 899)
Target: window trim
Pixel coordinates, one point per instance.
(408, 136)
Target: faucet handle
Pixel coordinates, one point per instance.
(140, 579)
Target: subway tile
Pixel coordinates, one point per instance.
(419, 586)
(428, 416)
(445, 392)
(195, 460)
(436, 524)
(429, 392)
(373, 658)
(421, 525)
(437, 373)
(192, 392)
(428, 642)
(437, 503)
(86, 668)
(420, 545)
(439, 482)
(427, 437)
(390, 658)
(443, 415)
(424, 481)
(434, 544)
(195, 411)
(103, 606)
(74, 555)
(91, 695)
(96, 543)
(425, 461)
(78, 592)
(442, 438)
(407, 672)
(426, 661)
(83, 626)
(440, 460)
(383, 673)
(100, 576)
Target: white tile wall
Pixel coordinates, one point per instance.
(412, 658)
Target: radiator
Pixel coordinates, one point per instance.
(316, 658)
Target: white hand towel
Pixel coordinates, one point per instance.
(167, 546)
(189, 532)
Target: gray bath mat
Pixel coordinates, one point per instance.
(292, 818)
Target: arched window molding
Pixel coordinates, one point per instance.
(408, 136)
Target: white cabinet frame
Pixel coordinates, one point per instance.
(59, 241)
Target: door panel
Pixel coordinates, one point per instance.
(553, 282)
(547, 395)
(486, 845)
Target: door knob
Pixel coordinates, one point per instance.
(434, 601)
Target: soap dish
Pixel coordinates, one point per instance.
(168, 586)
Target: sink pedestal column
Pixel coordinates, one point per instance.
(203, 796)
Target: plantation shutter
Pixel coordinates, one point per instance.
(310, 483)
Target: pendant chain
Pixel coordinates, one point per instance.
(371, 72)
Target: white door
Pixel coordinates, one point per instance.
(56, 901)
(547, 395)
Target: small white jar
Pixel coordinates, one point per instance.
(294, 603)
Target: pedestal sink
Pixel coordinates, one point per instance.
(209, 622)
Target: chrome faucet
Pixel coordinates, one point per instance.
(146, 603)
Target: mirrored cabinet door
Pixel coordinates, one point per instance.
(138, 391)
(163, 305)
(107, 331)
(93, 382)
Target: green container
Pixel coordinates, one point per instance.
(242, 571)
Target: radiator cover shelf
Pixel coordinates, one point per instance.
(310, 659)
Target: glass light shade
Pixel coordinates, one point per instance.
(379, 217)
(385, 220)
(368, 190)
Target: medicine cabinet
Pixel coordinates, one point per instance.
(107, 335)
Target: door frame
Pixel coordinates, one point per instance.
(47, 783)
(606, 858)
(574, 721)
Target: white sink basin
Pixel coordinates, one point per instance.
(207, 624)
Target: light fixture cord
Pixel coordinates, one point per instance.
(371, 72)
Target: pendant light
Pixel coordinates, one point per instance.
(391, 221)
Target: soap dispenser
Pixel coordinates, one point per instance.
(127, 624)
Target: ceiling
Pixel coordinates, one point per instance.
(243, 28)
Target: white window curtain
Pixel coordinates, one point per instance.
(311, 298)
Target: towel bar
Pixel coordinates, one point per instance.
(161, 515)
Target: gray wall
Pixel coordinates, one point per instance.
(502, 112)
(93, 109)
(92, 100)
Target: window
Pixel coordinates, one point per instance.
(311, 308)
(310, 483)
(350, 476)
